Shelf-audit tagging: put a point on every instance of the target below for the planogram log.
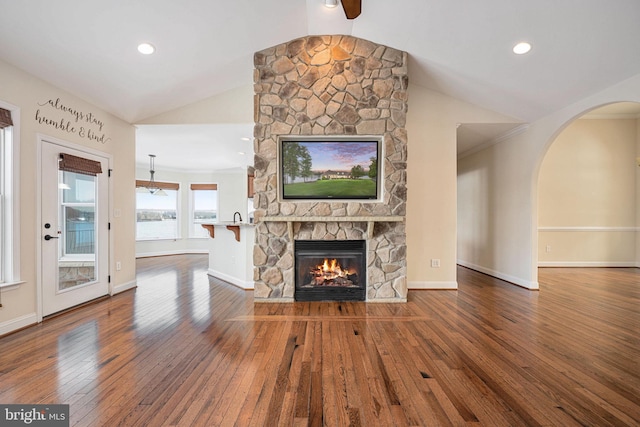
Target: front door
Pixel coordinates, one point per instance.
(74, 229)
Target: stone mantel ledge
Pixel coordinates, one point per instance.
(370, 220)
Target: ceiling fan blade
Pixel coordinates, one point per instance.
(352, 8)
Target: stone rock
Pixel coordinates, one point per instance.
(279, 128)
(270, 99)
(390, 268)
(376, 276)
(320, 86)
(309, 78)
(294, 47)
(277, 246)
(260, 290)
(298, 104)
(288, 90)
(313, 43)
(355, 90)
(286, 262)
(386, 291)
(315, 107)
(321, 58)
(369, 113)
(287, 208)
(282, 65)
(339, 82)
(277, 228)
(371, 127)
(272, 276)
(259, 257)
(339, 54)
(322, 209)
(400, 286)
(382, 88)
(357, 66)
(347, 115)
(319, 231)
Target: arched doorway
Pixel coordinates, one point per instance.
(588, 191)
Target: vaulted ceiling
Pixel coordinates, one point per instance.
(204, 47)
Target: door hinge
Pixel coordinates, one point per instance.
(109, 279)
(109, 172)
(108, 226)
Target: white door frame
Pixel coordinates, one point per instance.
(41, 139)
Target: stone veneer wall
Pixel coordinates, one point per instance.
(330, 85)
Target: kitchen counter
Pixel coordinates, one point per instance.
(231, 252)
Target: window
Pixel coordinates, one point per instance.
(78, 214)
(9, 196)
(157, 215)
(204, 208)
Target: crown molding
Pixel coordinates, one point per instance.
(500, 138)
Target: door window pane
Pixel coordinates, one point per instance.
(76, 256)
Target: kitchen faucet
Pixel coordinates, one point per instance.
(239, 216)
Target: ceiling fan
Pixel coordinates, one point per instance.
(352, 8)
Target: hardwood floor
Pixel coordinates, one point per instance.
(184, 349)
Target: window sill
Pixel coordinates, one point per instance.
(10, 286)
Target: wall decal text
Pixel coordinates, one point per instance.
(86, 125)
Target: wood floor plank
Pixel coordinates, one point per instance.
(185, 349)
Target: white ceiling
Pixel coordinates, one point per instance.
(204, 47)
(196, 148)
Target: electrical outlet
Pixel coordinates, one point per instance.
(118, 266)
(435, 263)
(547, 248)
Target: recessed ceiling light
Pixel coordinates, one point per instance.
(242, 153)
(521, 48)
(146, 48)
(331, 3)
(246, 138)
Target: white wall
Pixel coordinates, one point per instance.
(638, 193)
(431, 181)
(587, 205)
(510, 200)
(31, 95)
(232, 197)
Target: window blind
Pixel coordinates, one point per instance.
(204, 186)
(158, 184)
(5, 118)
(76, 164)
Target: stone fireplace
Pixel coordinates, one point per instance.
(333, 86)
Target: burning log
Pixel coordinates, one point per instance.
(330, 273)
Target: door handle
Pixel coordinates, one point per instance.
(47, 237)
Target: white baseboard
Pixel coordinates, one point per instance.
(570, 264)
(177, 252)
(432, 285)
(502, 276)
(18, 323)
(233, 280)
(124, 287)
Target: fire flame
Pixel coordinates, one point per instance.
(330, 269)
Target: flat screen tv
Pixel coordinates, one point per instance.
(330, 168)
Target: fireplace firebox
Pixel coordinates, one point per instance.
(330, 270)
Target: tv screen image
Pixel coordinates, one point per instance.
(329, 169)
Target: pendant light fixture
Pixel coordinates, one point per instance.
(152, 187)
